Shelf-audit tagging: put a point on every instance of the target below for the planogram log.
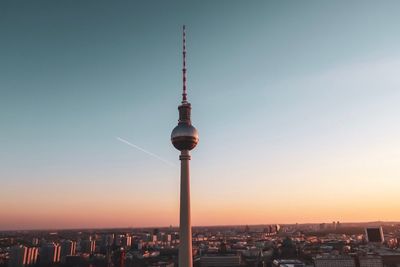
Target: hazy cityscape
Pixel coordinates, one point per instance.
(295, 245)
(199, 133)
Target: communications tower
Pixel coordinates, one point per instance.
(185, 137)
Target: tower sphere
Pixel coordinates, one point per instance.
(184, 136)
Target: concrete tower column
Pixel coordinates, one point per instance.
(185, 226)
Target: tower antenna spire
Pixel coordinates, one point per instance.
(184, 94)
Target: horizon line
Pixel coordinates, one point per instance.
(196, 226)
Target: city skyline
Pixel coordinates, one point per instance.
(296, 103)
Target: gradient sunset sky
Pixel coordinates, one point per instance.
(297, 104)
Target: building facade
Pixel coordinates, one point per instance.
(21, 256)
(220, 260)
(334, 261)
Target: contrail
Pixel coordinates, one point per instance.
(145, 151)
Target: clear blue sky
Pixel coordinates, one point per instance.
(296, 103)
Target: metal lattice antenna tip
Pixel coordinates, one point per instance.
(184, 94)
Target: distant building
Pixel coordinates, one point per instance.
(167, 238)
(334, 261)
(17, 256)
(105, 241)
(32, 256)
(87, 246)
(35, 241)
(68, 248)
(272, 229)
(22, 256)
(288, 263)
(74, 261)
(219, 260)
(49, 254)
(374, 234)
(370, 261)
(118, 240)
(126, 241)
(390, 257)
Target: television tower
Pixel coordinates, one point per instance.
(185, 137)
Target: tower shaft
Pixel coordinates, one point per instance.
(185, 226)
